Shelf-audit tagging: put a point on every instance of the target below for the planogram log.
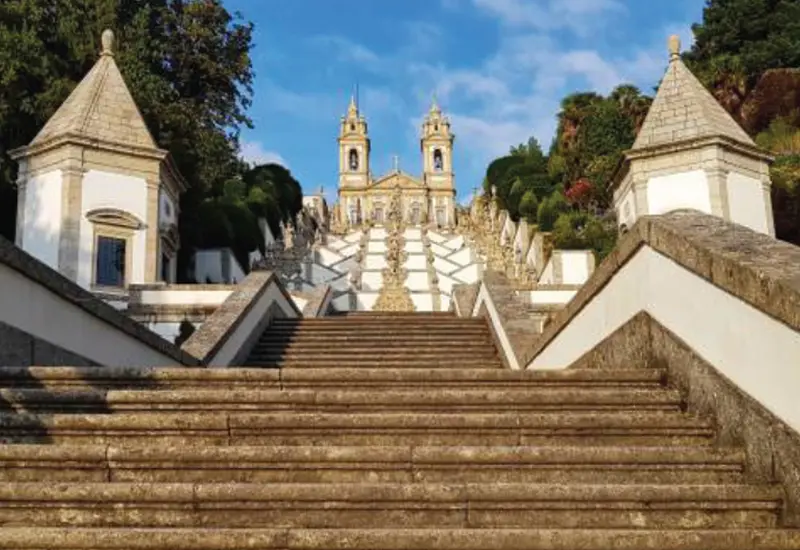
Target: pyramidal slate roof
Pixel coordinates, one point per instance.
(684, 109)
(100, 108)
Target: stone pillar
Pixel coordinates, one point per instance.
(152, 249)
(766, 186)
(69, 244)
(717, 179)
(22, 188)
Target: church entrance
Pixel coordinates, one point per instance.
(440, 218)
(415, 214)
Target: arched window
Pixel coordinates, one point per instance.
(353, 159)
(438, 162)
(352, 127)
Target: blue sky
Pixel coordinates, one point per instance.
(498, 67)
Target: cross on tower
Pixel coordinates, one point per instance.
(396, 160)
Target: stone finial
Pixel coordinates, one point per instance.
(674, 46)
(107, 40)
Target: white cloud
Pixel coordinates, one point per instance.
(254, 153)
(517, 91)
(346, 50)
(303, 105)
(547, 15)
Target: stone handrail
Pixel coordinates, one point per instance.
(319, 302)
(753, 267)
(229, 334)
(497, 301)
(730, 294)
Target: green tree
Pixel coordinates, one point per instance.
(529, 207)
(738, 41)
(550, 209)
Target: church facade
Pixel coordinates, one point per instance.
(430, 198)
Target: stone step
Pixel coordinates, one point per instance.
(378, 331)
(506, 379)
(383, 429)
(385, 505)
(136, 377)
(379, 326)
(403, 464)
(386, 321)
(310, 337)
(396, 314)
(414, 317)
(237, 377)
(65, 538)
(372, 354)
(357, 345)
(340, 400)
(375, 362)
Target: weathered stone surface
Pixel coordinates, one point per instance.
(773, 449)
(215, 331)
(367, 340)
(317, 298)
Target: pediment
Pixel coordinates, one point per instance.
(395, 179)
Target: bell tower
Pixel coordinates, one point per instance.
(354, 175)
(354, 149)
(436, 145)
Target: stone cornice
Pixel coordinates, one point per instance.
(631, 155)
(75, 139)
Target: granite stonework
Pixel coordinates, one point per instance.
(318, 302)
(627, 347)
(170, 313)
(464, 297)
(772, 448)
(20, 349)
(70, 292)
(520, 320)
(754, 267)
(206, 341)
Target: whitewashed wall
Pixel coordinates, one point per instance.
(208, 267)
(107, 190)
(747, 346)
(41, 226)
(747, 202)
(683, 190)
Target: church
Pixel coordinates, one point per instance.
(427, 199)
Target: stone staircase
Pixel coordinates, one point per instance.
(387, 340)
(340, 452)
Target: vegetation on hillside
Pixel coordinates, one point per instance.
(565, 191)
(187, 64)
(747, 54)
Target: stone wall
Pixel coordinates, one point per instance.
(20, 349)
(772, 447)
